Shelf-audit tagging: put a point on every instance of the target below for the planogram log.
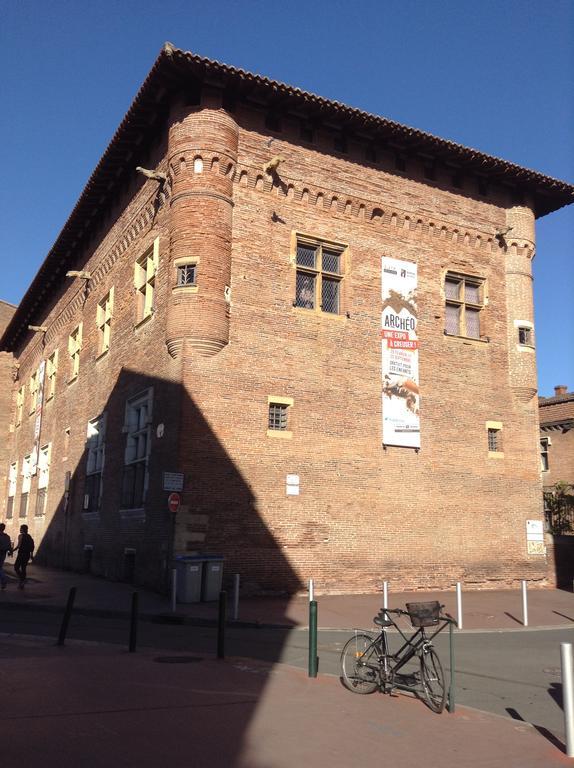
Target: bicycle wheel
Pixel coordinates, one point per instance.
(432, 678)
(360, 664)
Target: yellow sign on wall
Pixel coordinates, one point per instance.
(536, 548)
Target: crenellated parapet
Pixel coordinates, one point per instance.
(202, 157)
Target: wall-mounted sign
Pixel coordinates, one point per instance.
(535, 537)
(292, 485)
(400, 353)
(173, 481)
(173, 502)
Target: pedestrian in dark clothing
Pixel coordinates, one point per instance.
(25, 549)
(5, 549)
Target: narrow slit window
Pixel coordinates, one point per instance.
(494, 440)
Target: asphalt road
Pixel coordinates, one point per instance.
(513, 673)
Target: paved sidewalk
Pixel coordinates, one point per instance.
(92, 706)
(494, 610)
(95, 705)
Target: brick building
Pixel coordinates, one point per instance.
(557, 438)
(318, 317)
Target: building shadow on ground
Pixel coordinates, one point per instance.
(112, 519)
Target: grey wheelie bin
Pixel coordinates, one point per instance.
(212, 577)
(189, 578)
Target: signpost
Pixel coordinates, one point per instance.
(173, 481)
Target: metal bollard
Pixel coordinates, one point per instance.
(385, 594)
(568, 695)
(313, 660)
(134, 623)
(451, 704)
(66, 617)
(458, 605)
(236, 582)
(173, 590)
(524, 604)
(221, 625)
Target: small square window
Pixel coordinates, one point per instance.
(278, 416)
(525, 336)
(186, 274)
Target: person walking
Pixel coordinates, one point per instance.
(25, 549)
(5, 549)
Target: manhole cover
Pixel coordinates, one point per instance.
(177, 659)
(552, 670)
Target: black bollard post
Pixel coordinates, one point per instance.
(66, 617)
(313, 659)
(134, 623)
(451, 704)
(221, 625)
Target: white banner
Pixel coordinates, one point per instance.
(400, 355)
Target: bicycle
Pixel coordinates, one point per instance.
(367, 663)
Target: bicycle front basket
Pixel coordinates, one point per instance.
(424, 614)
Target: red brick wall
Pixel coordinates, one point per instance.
(560, 457)
(419, 519)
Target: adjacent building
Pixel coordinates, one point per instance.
(313, 324)
(557, 442)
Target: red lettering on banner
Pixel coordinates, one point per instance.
(399, 344)
(395, 335)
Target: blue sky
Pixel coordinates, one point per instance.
(496, 75)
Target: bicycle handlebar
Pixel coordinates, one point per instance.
(401, 612)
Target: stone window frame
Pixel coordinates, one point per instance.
(74, 349)
(33, 388)
(104, 314)
(12, 487)
(44, 456)
(494, 439)
(524, 335)
(20, 398)
(51, 373)
(26, 485)
(545, 443)
(341, 277)
(95, 460)
(135, 434)
(284, 402)
(461, 302)
(145, 273)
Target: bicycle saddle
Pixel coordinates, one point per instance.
(381, 620)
